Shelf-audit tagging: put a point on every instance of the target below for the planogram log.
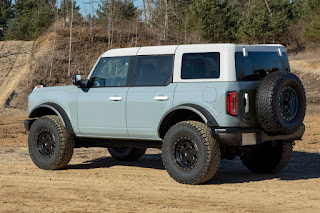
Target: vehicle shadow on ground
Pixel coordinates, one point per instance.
(152, 161)
(302, 166)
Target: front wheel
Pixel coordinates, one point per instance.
(269, 157)
(189, 153)
(50, 145)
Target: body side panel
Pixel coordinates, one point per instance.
(64, 97)
(144, 112)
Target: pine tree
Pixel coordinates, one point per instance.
(31, 19)
(216, 20)
(6, 13)
(311, 18)
(265, 23)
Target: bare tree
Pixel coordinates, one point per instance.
(110, 24)
(267, 4)
(54, 44)
(166, 20)
(70, 41)
(91, 3)
(150, 12)
(145, 12)
(137, 23)
(54, 38)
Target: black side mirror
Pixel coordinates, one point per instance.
(77, 80)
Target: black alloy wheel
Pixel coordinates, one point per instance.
(186, 153)
(50, 144)
(288, 103)
(46, 143)
(189, 152)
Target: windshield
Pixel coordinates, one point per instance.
(257, 64)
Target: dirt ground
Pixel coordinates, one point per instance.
(94, 182)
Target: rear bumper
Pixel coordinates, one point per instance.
(244, 137)
(28, 123)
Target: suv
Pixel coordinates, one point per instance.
(198, 103)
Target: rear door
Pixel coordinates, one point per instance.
(151, 95)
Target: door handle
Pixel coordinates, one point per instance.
(161, 98)
(246, 97)
(115, 98)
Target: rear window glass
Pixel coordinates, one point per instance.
(257, 64)
(200, 65)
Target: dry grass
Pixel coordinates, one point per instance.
(305, 55)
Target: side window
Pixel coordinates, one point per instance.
(154, 70)
(111, 72)
(200, 65)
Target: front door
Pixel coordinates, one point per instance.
(102, 107)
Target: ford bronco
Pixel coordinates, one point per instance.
(198, 103)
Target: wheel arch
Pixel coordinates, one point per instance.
(52, 109)
(183, 113)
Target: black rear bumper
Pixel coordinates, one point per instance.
(244, 137)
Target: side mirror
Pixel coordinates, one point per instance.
(77, 80)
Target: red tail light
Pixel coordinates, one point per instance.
(232, 103)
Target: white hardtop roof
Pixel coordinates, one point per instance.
(171, 49)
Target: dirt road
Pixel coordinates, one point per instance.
(93, 181)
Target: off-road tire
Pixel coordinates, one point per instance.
(268, 108)
(208, 152)
(127, 154)
(270, 157)
(63, 143)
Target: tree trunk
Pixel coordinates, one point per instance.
(110, 24)
(150, 12)
(166, 20)
(54, 44)
(145, 12)
(267, 4)
(70, 41)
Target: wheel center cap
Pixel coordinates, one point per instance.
(188, 153)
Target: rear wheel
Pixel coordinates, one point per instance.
(269, 157)
(189, 153)
(126, 153)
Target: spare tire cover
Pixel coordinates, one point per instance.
(280, 103)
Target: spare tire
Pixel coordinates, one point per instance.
(280, 103)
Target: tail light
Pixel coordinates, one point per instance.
(232, 103)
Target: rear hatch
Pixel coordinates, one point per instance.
(251, 68)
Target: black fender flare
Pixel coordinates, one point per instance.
(58, 110)
(204, 114)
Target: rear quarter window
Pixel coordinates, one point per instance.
(200, 65)
(257, 64)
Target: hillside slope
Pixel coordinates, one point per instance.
(14, 65)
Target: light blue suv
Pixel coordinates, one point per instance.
(198, 103)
